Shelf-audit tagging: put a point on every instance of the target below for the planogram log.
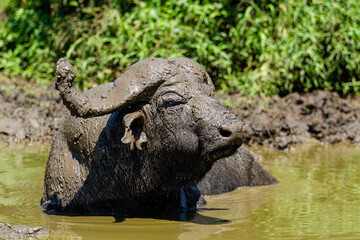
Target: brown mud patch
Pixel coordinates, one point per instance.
(33, 112)
(280, 122)
(29, 112)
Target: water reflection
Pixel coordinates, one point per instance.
(318, 197)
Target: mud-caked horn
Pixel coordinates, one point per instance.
(138, 83)
(195, 69)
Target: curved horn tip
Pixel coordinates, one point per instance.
(63, 67)
(65, 73)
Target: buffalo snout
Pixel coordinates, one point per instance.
(232, 132)
(221, 132)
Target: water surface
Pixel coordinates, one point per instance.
(318, 198)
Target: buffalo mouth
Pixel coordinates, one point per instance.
(222, 152)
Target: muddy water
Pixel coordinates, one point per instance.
(318, 198)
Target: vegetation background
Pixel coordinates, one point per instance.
(258, 47)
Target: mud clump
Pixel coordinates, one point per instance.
(21, 231)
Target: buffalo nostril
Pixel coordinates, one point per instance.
(225, 133)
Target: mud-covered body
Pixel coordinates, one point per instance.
(144, 153)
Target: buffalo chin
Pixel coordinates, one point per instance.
(222, 152)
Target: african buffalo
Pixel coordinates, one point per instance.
(141, 144)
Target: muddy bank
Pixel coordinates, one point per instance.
(298, 118)
(33, 112)
(29, 112)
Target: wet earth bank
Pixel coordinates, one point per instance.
(298, 118)
(34, 112)
(29, 112)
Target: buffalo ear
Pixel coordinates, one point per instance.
(134, 134)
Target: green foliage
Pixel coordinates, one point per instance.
(258, 47)
(287, 46)
(3, 4)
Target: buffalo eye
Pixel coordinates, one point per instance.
(170, 100)
(171, 104)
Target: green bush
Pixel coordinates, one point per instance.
(286, 46)
(258, 47)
